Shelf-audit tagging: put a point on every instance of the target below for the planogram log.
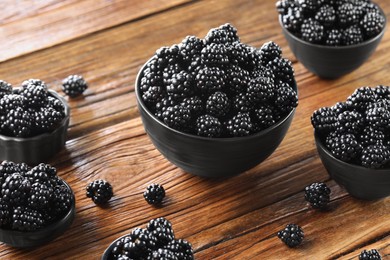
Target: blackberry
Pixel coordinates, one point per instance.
(152, 75)
(239, 125)
(191, 47)
(181, 85)
(162, 254)
(369, 7)
(62, 199)
(181, 248)
(382, 92)
(293, 20)
(372, 254)
(12, 101)
(118, 249)
(5, 88)
(317, 194)
(343, 146)
(36, 96)
(348, 14)
(215, 55)
(282, 69)
(263, 117)
(340, 107)
(210, 79)
(375, 156)
(242, 103)
(361, 98)
(263, 72)
(161, 229)
(152, 95)
(286, 98)
(292, 235)
(312, 31)
(19, 122)
(100, 191)
(208, 126)
(334, 38)
(224, 34)
(218, 104)
(163, 104)
(56, 104)
(154, 194)
(33, 82)
(309, 6)
(7, 168)
(15, 189)
(326, 15)
(269, 51)
(26, 219)
(74, 85)
(352, 35)
(195, 65)
(284, 5)
(193, 104)
(371, 136)
(41, 173)
(5, 214)
(177, 117)
(324, 120)
(261, 90)
(242, 55)
(350, 122)
(168, 55)
(40, 196)
(378, 114)
(237, 79)
(46, 119)
(372, 24)
(139, 244)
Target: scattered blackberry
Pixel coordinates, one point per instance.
(36, 96)
(372, 24)
(326, 15)
(153, 94)
(62, 199)
(343, 146)
(334, 38)
(292, 235)
(177, 117)
(208, 126)
(181, 248)
(139, 244)
(378, 114)
(269, 51)
(293, 20)
(324, 120)
(215, 55)
(161, 229)
(26, 219)
(372, 254)
(312, 31)
(225, 34)
(317, 194)
(282, 69)
(350, 122)
(100, 191)
(168, 55)
(240, 125)
(261, 90)
(181, 85)
(237, 79)
(154, 194)
(193, 104)
(361, 98)
(19, 122)
(164, 103)
(242, 103)
(162, 254)
(263, 117)
(5, 88)
(352, 35)
(218, 104)
(191, 47)
(349, 14)
(286, 98)
(5, 214)
(375, 156)
(74, 85)
(12, 101)
(209, 79)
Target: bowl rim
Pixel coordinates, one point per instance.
(63, 123)
(320, 145)
(367, 42)
(202, 138)
(107, 251)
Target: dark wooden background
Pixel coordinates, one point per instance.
(107, 41)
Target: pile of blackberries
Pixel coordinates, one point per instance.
(29, 110)
(358, 130)
(31, 198)
(218, 86)
(332, 22)
(156, 242)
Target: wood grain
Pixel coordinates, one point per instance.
(234, 218)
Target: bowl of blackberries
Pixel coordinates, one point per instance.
(215, 106)
(36, 205)
(331, 38)
(353, 141)
(33, 122)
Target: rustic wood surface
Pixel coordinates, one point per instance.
(107, 41)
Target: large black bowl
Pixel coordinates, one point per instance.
(360, 182)
(25, 239)
(36, 149)
(211, 157)
(331, 61)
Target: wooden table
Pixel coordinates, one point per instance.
(107, 41)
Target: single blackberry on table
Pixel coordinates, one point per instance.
(326, 15)
(324, 120)
(343, 146)
(210, 79)
(100, 191)
(181, 85)
(348, 14)
(318, 195)
(375, 156)
(191, 47)
(36, 96)
(352, 35)
(312, 31)
(12, 101)
(371, 136)
(161, 229)
(152, 95)
(164, 103)
(269, 51)
(372, 254)
(26, 219)
(74, 85)
(5, 213)
(194, 104)
(242, 103)
(162, 254)
(350, 122)
(361, 98)
(261, 90)
(181, 248)
(224, 34)
(292, 235)
(334, 38)
(372, 24)
(215, 55)
(208, 126)
(218, 104)
(139, 244)
(168, 55)
(5, 88)
(154, 194)
(239, 125)
(177, 117)
(282, 69)
(286, 98)
(19, 122)
(237, 79)
(263, 117)
(293, 20)
(378, 114)
(62, 199)
(40, 196)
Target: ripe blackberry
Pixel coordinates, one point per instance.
(237, 79)
(5, 214)
(62, 199)
(33, 82)
(261, 90)
(312, 31)
(269, 51)
(382, 92)
(100, 191)
(19, 122)
(177, 117)
(194, 104)
(324, 120)
(263, 117)
(218, 104)
(215, 55)
(7, 168)
(191, 47)
(152, 95)
(46, 119)
(361, 98)
(139, 244)
(348, 14)
(375, 156)
(162, 254)
(74, 85)
(15, 189)
(372, 254)
(224, 34)
(286, 98)
(210, 79)
(340, 107)
(282, 69)
(5, 88)
(317, 194)
(161, 229)
(242, 103)
(36, 96)
(154, 194)
(284, 5)
(56, 104)
(181, 248)
(208, 126)
(343, 146)
(334, 38)
(239, 125)
(352, 35)
(242, 55)
(378, 114)
(152, 75)
(293, 20)
(371, 136)
(372, 24)
(350, 122)
(326, 15)
(369, 7)
(40, 196)
(12, 101)
(41, 173)
(163, 104)
(263, 72)
(26, 219)
(292, 235)
(181, 85)
(168, 55)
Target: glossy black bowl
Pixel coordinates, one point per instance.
(360, 182)
(37, 149)
(211, 157)
(26, 239)
(331, 61)
(107, 253)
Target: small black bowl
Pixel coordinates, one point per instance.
(107, 252)
(360, 182)
(331, 61)
(36, 149)
(26, 239)
(211, 157)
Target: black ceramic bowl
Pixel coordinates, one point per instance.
(107, 252)
(42, 236)
(360, 182)
(331, 61)
(37, 149)
(211, 157)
